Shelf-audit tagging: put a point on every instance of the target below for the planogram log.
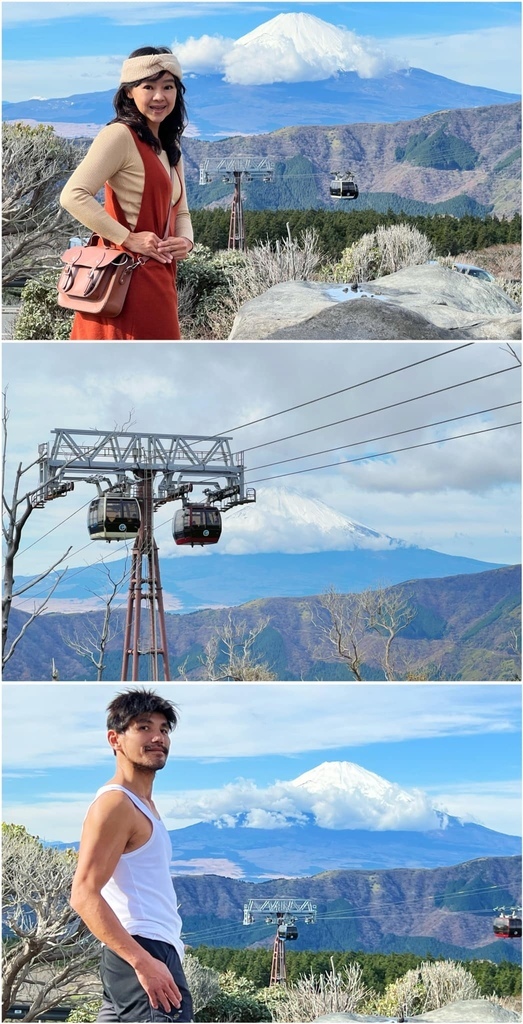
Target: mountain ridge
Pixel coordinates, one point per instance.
(424, 908)
(461, 630)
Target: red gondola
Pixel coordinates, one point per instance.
(506, 927)
(197, 524)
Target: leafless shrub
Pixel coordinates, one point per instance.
(229, 654)
(383, 251)
(426, 988)
(311, 997)
(266, 264)
(203, 982)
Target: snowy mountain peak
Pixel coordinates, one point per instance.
(343, 776)
(285, 520)
(312, 37)
(340, 791)
(301, 47)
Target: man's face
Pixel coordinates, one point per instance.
(145, 743)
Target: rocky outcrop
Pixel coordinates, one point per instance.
(475, 1011)
(420, 303)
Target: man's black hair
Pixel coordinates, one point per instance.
(132, 703)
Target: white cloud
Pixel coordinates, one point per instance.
(489, 57)
(284, 804)
(203, 55)
(67, 722)
(494, 804)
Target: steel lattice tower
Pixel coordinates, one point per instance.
(278, 965)
(137, 461)
(250, 167)
(149, 637)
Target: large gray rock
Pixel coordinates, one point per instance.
(474, 1010)
(426, 302)
(467, 1011)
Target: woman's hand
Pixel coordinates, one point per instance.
(177, 247)
(146, 243)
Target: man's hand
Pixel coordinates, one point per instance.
(159, 984)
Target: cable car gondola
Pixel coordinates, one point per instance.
(343, 187)
(197, 524)
(507, 927)
(113, 517)
(287, 931)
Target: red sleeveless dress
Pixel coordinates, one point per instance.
(150, 311)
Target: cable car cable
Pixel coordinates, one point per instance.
(382, 437)
(351, 387)
(383, 408)
(53, 528)
(379, 455)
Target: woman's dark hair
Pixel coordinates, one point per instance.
(131, 703)
(171, 129)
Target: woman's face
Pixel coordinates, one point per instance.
(155, 99)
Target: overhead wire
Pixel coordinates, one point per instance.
(383, 408)
(353, 913)
(379, 455)
(382, 437)
(351, 387)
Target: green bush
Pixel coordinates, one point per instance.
(85, 1012)
(227, 1007)
(41, 318)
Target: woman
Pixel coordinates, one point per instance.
(138, 158)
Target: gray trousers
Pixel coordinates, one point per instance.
(124, 999)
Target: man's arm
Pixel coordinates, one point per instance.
(106, 833)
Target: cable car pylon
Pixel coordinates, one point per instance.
(147, 638)
(247, 167)
(284, 911)
(150, 470)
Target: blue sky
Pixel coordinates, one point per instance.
(460, 745)
(58, 49)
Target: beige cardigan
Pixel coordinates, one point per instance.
(114, 157)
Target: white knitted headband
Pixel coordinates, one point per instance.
(136, 68)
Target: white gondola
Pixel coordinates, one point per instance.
(113, 517)
(343, 186)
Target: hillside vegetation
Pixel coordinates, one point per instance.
(463, 628)
(469, 156)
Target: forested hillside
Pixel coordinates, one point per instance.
(469, 158)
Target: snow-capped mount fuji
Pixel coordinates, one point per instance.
(338, 816)
(283, 519)
(335, 795)
(302, 47)
(345, 795)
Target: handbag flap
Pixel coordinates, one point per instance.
(94, 256)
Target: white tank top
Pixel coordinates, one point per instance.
(141, 892)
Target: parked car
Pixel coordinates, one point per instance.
(468, 268)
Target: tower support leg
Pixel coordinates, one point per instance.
(147, 635)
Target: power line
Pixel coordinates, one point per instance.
(382, 437)
(351, 387)
(53, 528)
(383, 408)
(353, 913)
(379, 455)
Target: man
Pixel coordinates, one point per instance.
(122, 888)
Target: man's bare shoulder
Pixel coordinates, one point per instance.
(112, 805)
